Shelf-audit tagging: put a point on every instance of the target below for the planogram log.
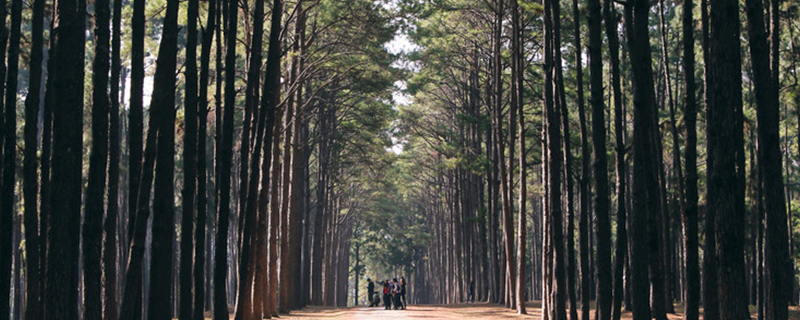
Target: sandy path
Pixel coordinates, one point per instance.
(471, 311)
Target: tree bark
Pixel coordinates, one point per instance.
(7, 139)
(110, 254)
(583, 224)
(190, 175)
(516, 104)
(94, 209)
(202, 204)
(67, 86)
(136, 113)
(611, 23)
(777, 287)
(645, 190)
(163, 232)
(269, 103)
(555, 308)
(244, 304)
(723, 131)
(33, 233)
(600, 167)
(225, 179)
(690, 231)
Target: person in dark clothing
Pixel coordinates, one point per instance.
(396, 293)
(371, 293)
(403, 292)
(471, 291)
(387, 295)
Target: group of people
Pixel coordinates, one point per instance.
(394, 293)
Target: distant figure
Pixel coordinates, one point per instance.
(471, 291)
(403, 292)
(387, 295)
(396, 293)
(371, 293)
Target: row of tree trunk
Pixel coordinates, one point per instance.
(661, 268)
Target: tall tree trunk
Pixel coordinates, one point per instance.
(666, 242)
(225, 179)
(583, 224)
(646, 199)
(269, 104)
(777, 289)
(68, 39)
(136, 160)
(508, 217)
(244, 305)
(136, 113)
(298, 163)
(8, 134)
(516, 104)
(94, 209)
(110, 254)
(285, 210)
(724, 129)
(555, 308)
(603, 223)
(190, 176)
(611, 24)
(33, 234)
(45, 205)
(163, 232)
(561, 102)
(497, 74)
(690, 235)
(710, 290)
(202, 204)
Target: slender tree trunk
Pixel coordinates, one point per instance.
(710, 290)
(200, 224)
(136, 117)
(508, 217)
(777, 290)
(67, 86)
(269, 103)
(244, 304)
(7, 139)
(225, 179)
(583, 224)
(690, 231)
(45, 205)
(646, 197)
(568, 185)
(498, 141)
(94, 209)
(555, 309)
(516, 104)
(110, 254)
(163, 232)
(33, 234)
(135, 170)
(190, 175)
(603, 224)
(611, 24)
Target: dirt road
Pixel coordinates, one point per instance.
(461, 311)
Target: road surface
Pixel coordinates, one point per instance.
(461, 311)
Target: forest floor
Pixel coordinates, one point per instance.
(453, 311)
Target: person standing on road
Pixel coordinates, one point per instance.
(396, 293)
(387, 295)
(471, 291)
(403, 293)
(371, 293)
